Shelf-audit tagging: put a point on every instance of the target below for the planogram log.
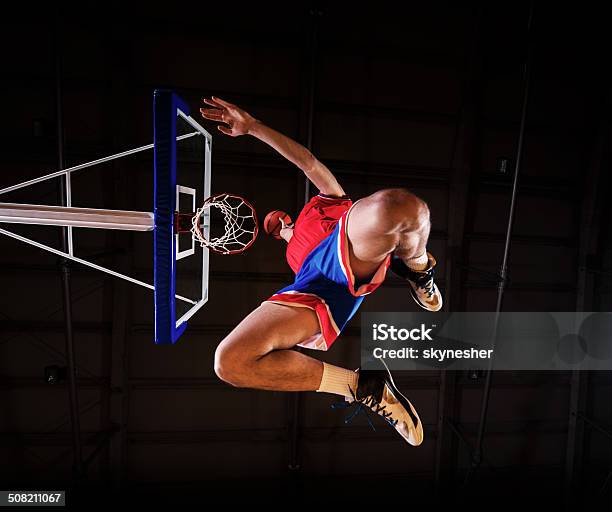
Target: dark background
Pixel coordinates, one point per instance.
(424, 98)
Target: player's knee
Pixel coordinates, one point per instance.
(229, 367)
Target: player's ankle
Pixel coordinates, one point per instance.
(418, 263)
(338, 381)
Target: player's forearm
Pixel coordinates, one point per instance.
(291, 150)
(297, 154)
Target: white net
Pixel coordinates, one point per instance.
(240, 224)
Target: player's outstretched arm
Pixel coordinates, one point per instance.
(237, 122)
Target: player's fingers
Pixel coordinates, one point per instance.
(218, 119)
(211, 110)
(226, 104)
(224, 129)
(211, 113)
(212, 102)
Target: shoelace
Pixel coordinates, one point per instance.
(359, 409)
(364, 406)
(426, 282)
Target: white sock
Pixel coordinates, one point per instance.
(338, 381)
(418, 263)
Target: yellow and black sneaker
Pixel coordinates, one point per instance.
(377, 392)
(422, 286)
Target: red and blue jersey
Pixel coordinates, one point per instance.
(318, 253)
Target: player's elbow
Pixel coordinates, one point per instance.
(309, 164)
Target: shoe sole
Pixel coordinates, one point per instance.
(418, 426)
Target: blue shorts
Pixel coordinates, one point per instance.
(326, 284)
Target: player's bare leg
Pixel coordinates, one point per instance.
(256, 354)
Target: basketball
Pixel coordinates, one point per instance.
(272, 223)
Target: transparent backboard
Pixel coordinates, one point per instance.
(182, 165)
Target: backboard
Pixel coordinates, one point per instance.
(181, 170)
(182, 175)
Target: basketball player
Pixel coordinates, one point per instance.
(340, 252)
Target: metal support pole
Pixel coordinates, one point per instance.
(588, 247)
(294, 400)
(503, 276)
(315, 14)
(601, 429)
(65, 273)
(102, 442)
(64, 171)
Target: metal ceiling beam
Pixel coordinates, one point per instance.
(251, 100)
(348, 433)
(380, 173)
(426, 381)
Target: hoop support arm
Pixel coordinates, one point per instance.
(16, 213)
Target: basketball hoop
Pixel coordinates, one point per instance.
(241, 227)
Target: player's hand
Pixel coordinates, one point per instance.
(236, 121)
(286, 232)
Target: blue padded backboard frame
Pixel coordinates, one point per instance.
(165, 105)
(167, 108)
